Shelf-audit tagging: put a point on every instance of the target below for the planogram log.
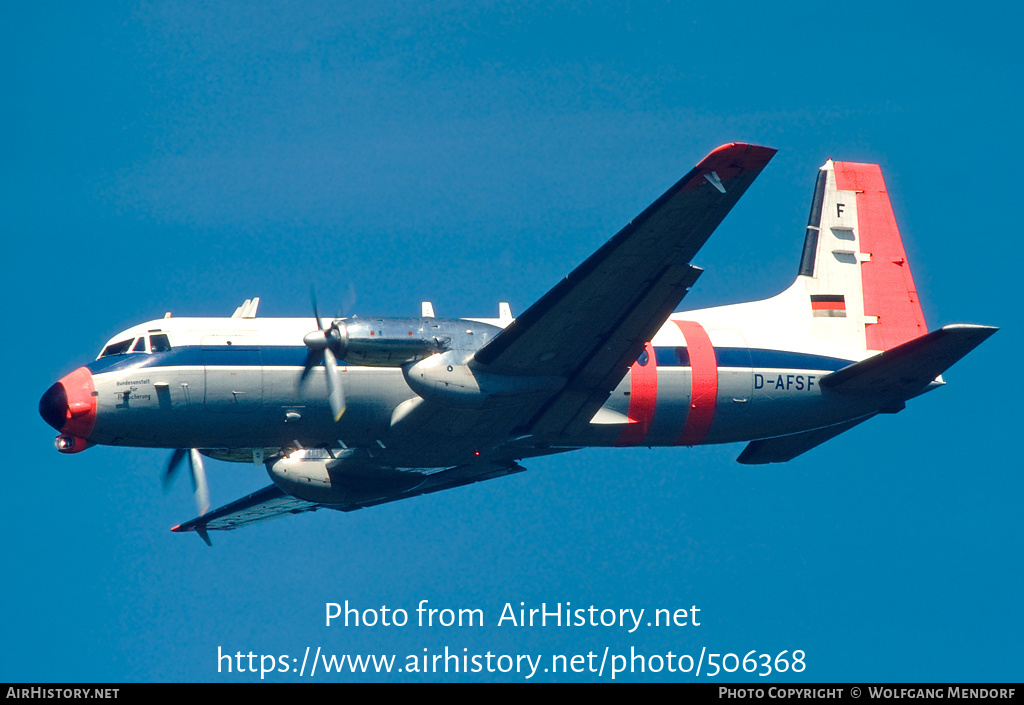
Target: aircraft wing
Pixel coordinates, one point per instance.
(593, 325)
(272, 502)
(268, 503)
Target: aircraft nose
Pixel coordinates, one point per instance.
(54, 405)
(70, 404)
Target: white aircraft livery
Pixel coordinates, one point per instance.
(353, 412)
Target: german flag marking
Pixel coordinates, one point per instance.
(828, 305)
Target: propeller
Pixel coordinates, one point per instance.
(199, 484)
(327, 345)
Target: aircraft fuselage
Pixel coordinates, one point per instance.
(233, 386)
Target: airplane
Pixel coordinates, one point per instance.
(353, 412)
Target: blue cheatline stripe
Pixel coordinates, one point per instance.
(753, 357)
(193, 355)
(295, 356)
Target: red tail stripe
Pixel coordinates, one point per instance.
(889, 291)
(704, 383)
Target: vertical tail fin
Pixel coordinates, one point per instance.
(854, 278)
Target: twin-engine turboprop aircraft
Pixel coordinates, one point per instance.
(354, 412)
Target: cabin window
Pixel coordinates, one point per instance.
(118, 348)
(159, 343)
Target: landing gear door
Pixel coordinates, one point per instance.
(234, 373)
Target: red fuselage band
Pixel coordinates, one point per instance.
(704, 383)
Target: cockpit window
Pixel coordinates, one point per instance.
(118, 348)
(159, 343)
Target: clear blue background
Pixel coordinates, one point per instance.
(182, 157)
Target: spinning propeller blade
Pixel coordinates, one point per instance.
(200, 486)
(335, 393)
(326, 346)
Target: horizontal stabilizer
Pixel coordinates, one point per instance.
(785, 448)
(906, 370)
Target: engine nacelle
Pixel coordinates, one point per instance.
(448, 379)
(395, 342)
(309, 475)
(387, 342)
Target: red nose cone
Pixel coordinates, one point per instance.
(70, 405)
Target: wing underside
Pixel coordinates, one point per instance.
(272, 502)
(268, 503)
(593, 325)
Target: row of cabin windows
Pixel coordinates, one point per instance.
(157, 343)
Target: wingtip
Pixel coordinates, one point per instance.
(981, 328)
(738, 154)
(201, 530)
(979, 333)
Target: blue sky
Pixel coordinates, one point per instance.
(184, 157)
